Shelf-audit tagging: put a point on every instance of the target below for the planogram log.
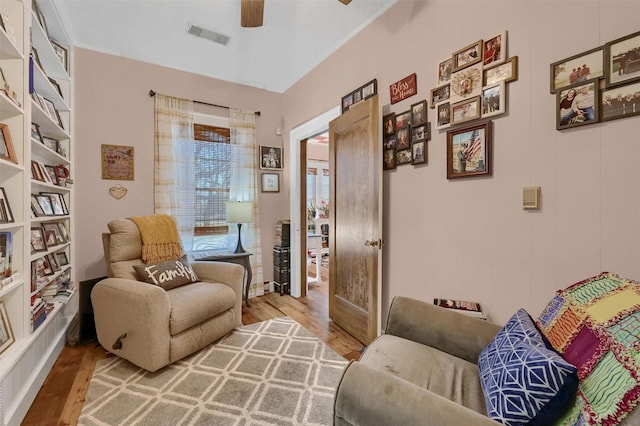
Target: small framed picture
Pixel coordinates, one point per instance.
(35, 206)
(403, 156)
(117, 162)
(389, 124)
(35, 132)
(347, 101)
(50, 143)
(444, 71)
(61, 258)
(465, 110)
(419, 113)
(369, 89)
(53, 229)
(444, 115)
(506, 72)
(357, 96)
(7, 152)
(270, 157)
(270, 182)
(419, 133)
(38, 240)
(63, 232)
(389, 142)
(50, 238)
(440, 94)
(6, 215)
(466, 83)
(578, 105)
(403, 119)
(419, 152)
(467, 56)
(51, 172)
(469, 151)
(62, 53)
(493, 100)
(495, 49)
(389, 159)
(403, 138)
(45, 204)
(53, 262)
(577, 69)
(6, 333)
(620, 102)
(58, 205)
(622, 60)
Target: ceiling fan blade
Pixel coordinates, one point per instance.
(345, 2)
(251, 13)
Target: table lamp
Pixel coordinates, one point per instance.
(239, 212)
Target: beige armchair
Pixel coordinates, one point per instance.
(152, 327)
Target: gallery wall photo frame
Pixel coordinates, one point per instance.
(465, 110)
(443, 118)
(117, 162)
(6, 332)
(7, 150)
(620, 102)
(362, 93)
(6, 215)
(270, 182)
(576, 69)
(271, 157)
(469, 151)
(622, 60)
(466, 83)
(444, 71)
(389, 124)
(507, 72)
(419, 152)
(389, 159)
(419, 113)
(578, 105)
(469, 55)
(440, 94)
(493, 100)
(495, 49)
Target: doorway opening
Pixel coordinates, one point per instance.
(299, 146)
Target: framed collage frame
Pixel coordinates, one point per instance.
(362, 93)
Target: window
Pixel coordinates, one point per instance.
(213, 163)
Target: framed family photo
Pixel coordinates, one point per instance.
(622, 60)
(495, 49)
(493, 100)
(389, 124)
(389, 159)
(467, 56)
(270, 157)
(620, 102)
(440, 94)
(444, 115)
(469, 151)
(444, 71)
(578, 105)
(576, 69)
(507, 72)
(419, 152)
(403, 119)
(419, 113)
(465, 110)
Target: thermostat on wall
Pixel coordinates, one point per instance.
(531, 197)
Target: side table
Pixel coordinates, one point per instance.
(238, 258)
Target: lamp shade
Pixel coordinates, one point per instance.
(239, 212)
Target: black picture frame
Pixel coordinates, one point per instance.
(38, 240)
(62, 53)
(389, 124)
(592, 60)
(419, 113)
(389, 159)
(419, 152)
(403, 138)
(622, 60)
(270, 157)
(5, 208)
(569, 115)
(624, 101)
(469, 151)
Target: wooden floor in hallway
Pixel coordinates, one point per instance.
(60, 399)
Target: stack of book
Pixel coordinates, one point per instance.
(473, 309)
(60, 290)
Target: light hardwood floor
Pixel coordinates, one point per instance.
(60, 400)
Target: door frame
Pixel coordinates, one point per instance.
(310, 128)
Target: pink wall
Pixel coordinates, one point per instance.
(112, 106)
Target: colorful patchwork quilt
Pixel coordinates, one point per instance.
(595, 325)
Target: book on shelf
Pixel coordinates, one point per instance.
(6, 254)
(473, 309)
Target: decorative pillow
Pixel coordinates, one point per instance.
(524, 382)
(169, 274)
(594, 325)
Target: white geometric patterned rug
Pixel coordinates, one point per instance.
(270, 373)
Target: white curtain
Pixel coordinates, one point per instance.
(244, 187)
(174, 180)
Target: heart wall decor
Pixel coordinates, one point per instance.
(118, 191)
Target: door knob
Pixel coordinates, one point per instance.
(373, 243)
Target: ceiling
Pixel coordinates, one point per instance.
(296, 36)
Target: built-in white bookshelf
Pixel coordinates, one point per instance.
(36, 59)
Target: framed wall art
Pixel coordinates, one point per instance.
(419, 152)
(419, 113)
(389, 159)
(467, 56)
(6, 215)
(389, 124)
(270, 157)
(403, 156)
(620, 102)
(466, 83)
(506, 72)
(577, 69)
(38, 241)
(117, 162)
(466, 110)
(443, 111)
(469, 151)
(270, 182)
(419, 133)
(7, 151)
(444, 71)
(403, 119)
(6, 333)
(493, 100)
(622, 60)
(440, 94)
(495, 49)
(403, 138)
(369, 89)
(578, 105)
(389, 142)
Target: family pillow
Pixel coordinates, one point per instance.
(524, 382)
(168, 275)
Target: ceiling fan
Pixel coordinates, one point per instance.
(252, 11)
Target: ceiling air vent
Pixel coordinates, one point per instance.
(209, 35)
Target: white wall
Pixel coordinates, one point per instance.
(470, 238)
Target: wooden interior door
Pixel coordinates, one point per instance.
(355, 230)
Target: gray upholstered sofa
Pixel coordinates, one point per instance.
(161, 326)
(422, 371)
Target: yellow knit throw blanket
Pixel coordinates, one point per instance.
(160, 239)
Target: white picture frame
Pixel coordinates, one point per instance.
(270, 182)
(493, 100)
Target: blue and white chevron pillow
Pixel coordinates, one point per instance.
(524, 382)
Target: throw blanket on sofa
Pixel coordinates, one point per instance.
(160, 238)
